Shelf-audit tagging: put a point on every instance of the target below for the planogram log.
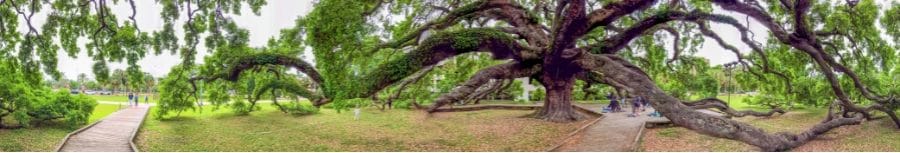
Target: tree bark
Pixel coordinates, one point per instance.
(559, 83)
(558, 103)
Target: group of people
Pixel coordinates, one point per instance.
(134, 99)
(637, 103)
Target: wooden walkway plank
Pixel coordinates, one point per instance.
(112, 134)
(615, 133)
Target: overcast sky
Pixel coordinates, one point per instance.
(279, 14)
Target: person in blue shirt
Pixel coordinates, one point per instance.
(131, 99)
(635, 105)
(613, 103)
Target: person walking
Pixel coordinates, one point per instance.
(130, 99)
(644, 104)
(613, 103)
(147, 99)
(635, 105)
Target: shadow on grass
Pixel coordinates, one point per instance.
(178, 119)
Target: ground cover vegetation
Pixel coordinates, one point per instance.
(268, 129)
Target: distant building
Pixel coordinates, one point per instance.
(526, 88)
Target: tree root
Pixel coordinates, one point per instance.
(557, 116)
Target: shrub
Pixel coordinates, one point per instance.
(44, 106)
(61, 105)
(537, 95)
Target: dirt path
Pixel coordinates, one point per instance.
(112, 134)
(616, 132)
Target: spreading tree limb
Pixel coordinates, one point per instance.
(509, 70)
(722, 106)
(687, 117)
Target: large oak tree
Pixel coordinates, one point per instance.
(554, 42)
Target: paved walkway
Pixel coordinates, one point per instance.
(112, 134)
(124, 103)
(616, 132)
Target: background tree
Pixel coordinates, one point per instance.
(118, 81)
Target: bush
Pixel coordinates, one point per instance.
(44, 106)
(24, 100)
(61, 105)
(537, 95)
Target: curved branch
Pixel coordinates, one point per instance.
(439, 47)
(611, 12)
(706, 31)
(806, 43)
(687, 117)
(452, 17)
(261, 59)
(294, 88)
(406, 82)
(675, 43)
(722, 106)
(509, 70)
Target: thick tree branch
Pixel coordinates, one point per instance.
(613, 11)
(509, 70)
(803, 43)
(294, 88)
(452, 18)
(406, 82)
(439, 47)
(246, 62)
(687, 117)
(722, 106)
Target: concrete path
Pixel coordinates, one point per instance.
(616, 132)
(112, 134)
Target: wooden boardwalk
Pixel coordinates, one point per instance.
(112, 134)
(616, 132)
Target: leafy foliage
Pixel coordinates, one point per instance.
(175, 93)
(27, 103)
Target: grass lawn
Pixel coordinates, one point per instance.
(878, 135)
(392, 130)
(44, 138)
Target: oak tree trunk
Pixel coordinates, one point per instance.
(558, 98)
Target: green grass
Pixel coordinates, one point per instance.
(44, 138)
(736, 101)
(391, 130)
(101, 111)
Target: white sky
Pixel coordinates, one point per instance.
(280, 14)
